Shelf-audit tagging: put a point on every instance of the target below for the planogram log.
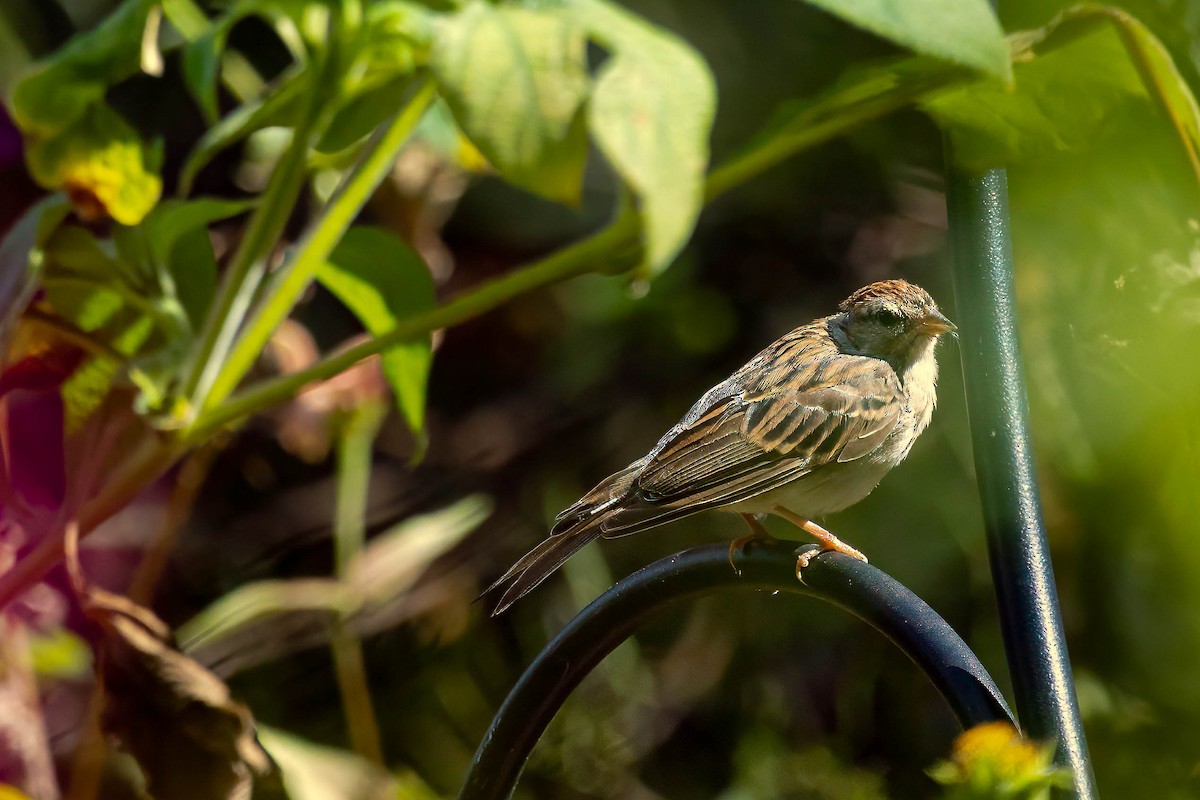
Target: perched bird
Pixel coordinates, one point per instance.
(808, 427)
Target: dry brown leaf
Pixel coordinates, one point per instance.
(192, 740)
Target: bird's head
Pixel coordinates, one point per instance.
(893, 320)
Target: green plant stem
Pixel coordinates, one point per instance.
(237, 73)
(318, 242)
(355, 446)
(583, 256)
(240, 282)
(818, 124)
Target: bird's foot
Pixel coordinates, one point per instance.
(757, 534)
(828, 541)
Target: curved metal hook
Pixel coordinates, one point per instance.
(861, 589)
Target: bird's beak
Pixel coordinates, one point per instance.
(936, 324)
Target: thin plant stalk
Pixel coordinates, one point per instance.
(354, 449)
(318, 242)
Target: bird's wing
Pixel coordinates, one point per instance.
(833, 409)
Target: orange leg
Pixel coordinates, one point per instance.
(828, 540)
(757, 534)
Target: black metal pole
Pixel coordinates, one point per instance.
(613, 617)
(998, 412)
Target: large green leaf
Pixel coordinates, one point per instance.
(1161, 78)
(1072, 76)
(964, 32)
(651, 112)
(382, 280)
(515, 79)
(1058, 102)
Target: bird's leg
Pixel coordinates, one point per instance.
(757, 534)
(828, 540)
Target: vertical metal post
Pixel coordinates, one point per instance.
(998, 412)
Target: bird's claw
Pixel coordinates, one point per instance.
(757, 534)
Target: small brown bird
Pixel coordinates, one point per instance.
(808, 427)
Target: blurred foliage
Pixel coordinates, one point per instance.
(272, 127)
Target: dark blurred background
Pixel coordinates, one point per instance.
(749, 695)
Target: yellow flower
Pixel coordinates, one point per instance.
(993, 760)
(998, 747)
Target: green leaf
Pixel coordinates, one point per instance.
(363, 113)
(102, 164)
(77, 142)
(201, 64)
(963, 32)
(70, 82)
(73, 252)
(172, 244)
(381, 280)
(101, 311)
(1059, 101)
(21, 258)
(515, 79)
(311, 771)
(651, 112)
(1161, 77)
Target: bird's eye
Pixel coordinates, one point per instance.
(889, 318)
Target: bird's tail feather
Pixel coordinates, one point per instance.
(538, 564)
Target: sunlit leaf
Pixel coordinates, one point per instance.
(515, 79)
(74, 140)
(60, 654)
(102, 164)
(382, 280)
(1161, 77)
(1058, 102)
(243, 628)
(393, 41)
(964, 32)
(439, 131)
(315, 772)
(650, 112)
(392, 561)
(85, 390)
